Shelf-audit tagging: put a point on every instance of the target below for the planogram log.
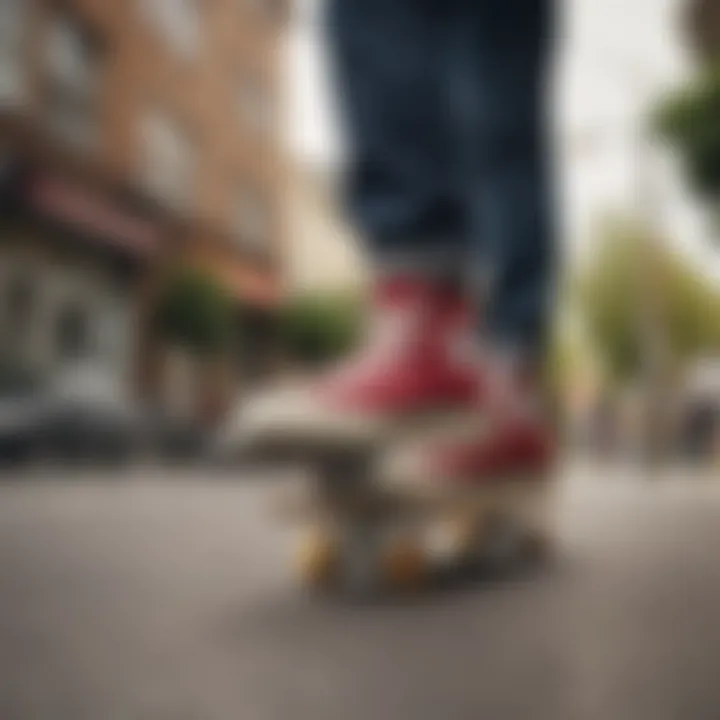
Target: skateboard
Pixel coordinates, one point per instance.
(360, 532)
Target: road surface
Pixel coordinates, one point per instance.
(151, 596)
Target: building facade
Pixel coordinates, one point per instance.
(133, 135)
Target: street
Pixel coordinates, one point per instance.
(144, 595)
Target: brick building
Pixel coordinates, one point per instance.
(134, 133)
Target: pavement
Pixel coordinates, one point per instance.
(149, 595)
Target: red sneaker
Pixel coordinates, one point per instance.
(412, 362)
(504, 438)
(520, 448)
(482, 453)
(411, 365)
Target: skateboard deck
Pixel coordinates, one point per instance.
(360, 533)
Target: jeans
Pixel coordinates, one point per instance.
(444, 102)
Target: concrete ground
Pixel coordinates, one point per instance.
(150, 596)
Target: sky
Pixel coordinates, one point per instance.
(615, 57)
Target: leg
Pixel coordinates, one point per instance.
(507, 50)
(403, 183)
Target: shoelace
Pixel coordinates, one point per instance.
(387, 334)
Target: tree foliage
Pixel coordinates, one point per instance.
(318, 327)
(613, 293)
(689, 120)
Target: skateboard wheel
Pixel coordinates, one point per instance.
(458, 538)
(405, 565)
(318, 558)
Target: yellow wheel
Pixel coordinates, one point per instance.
(459, 537)
(405, 565)
(470, 535)
(318, 558)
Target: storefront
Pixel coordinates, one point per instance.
(72, 263)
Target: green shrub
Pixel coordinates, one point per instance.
(318, 328)
(195, 312)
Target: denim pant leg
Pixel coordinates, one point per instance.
(506, 48)
(402, 188)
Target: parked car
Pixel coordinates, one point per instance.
(80, 416)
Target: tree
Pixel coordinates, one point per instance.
(195, 312)
(689, 120)
(611, 300)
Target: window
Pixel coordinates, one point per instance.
(74, 82)
(73, 333)
(19, 309)
(13, 36)
(252, 217)
(168, 160)
(254, 103)
(178, 21)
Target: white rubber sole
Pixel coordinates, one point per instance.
(290, 421)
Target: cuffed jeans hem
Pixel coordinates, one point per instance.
(528, 350)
